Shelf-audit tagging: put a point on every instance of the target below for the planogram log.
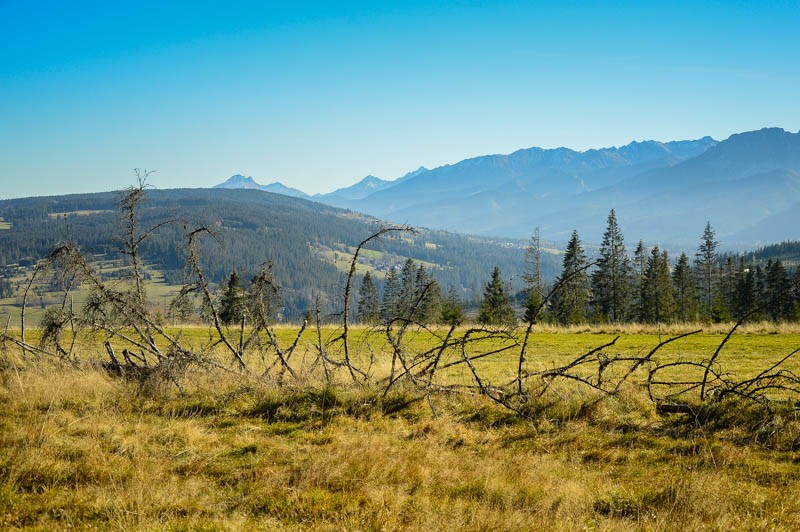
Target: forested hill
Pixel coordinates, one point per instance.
(308, 243)
(788, 252)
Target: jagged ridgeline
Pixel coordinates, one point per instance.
(309, 244)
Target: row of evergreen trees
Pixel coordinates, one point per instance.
(236, 303)
(616, 287)
(646, 288)
(412, 294)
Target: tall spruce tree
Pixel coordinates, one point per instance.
(777, 291)
(637, 282)
(761, 293)
(683, 290)
(408, 289)
(231, 302)
(390, 305)
(725, 299)
(533, 278)
(369, 309)
(427, 296)
(796, 295)
(706, 270)
(496, 305)
(610, 281)
(746, 291)
(572, 295)
(657, 294)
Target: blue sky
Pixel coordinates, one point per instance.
(320, 94)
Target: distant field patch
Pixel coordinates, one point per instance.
(76, 213)
(4, 224)
(366, 253)
(158, 290)
(342, 261)
(375, 262)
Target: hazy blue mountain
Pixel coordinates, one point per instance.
(663, 192)
(413, 173)
(777, 227)
(741, 155)
(239, 181)
(500, 194)
(739, 185)
(364, 188)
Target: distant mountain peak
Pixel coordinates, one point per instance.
(767, 133)
(416, 172)
(410, 175)
(247, 182)
(239, 181)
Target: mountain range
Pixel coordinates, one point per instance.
(239, 181)
(747, 186)
(360, 190)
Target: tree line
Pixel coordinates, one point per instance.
(647, 287)
(616, 287)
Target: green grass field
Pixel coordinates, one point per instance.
(231, 450)
(159, 292)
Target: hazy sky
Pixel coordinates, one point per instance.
(320, 94)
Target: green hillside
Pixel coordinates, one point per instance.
(308, 243)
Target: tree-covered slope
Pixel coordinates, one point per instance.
(308, 243)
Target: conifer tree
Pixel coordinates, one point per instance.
(637, 282)
(391, 296)
(796, 295)
(232, 301)
(777, 290)
(427, 297)
(705, 264)
(369, 310)
(533, 278)
(496, 305)
(683, 290)
(725, 300)
(746, 291)
(760, 293)
(452, 310)
(610, 281)
(572, 296)
(657, 293)
(408, 289)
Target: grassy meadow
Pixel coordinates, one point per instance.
(230, 450)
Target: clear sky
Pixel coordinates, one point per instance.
(319, 94)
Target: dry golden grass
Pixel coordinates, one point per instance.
(81, 449)
(759, 327)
